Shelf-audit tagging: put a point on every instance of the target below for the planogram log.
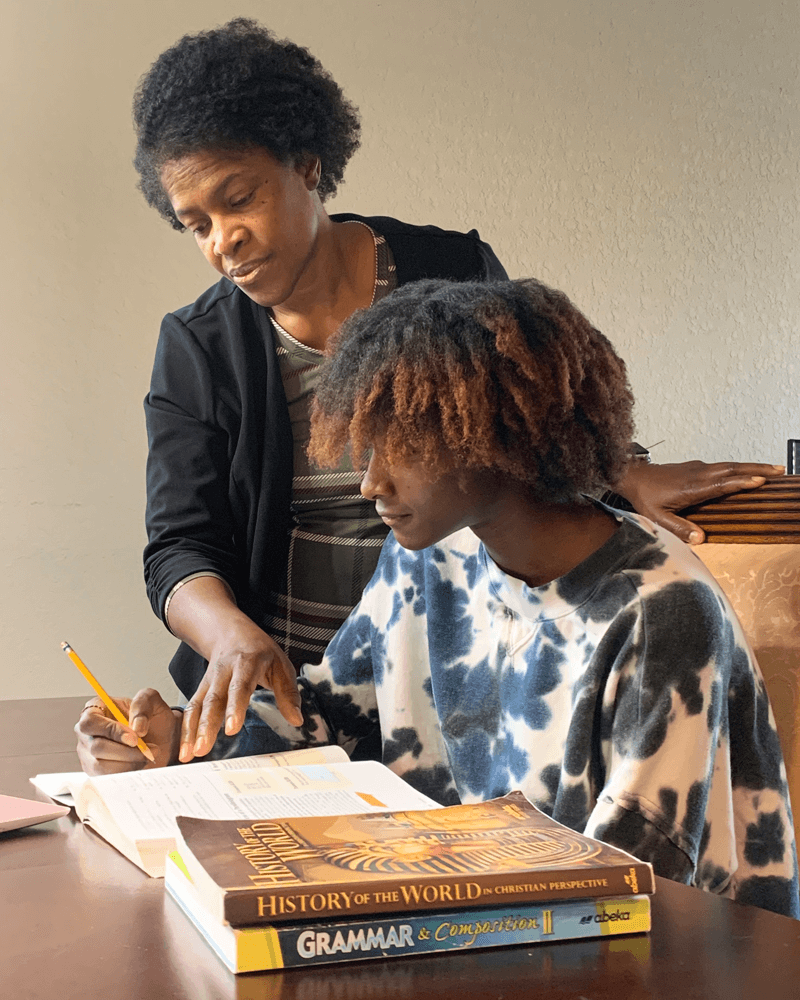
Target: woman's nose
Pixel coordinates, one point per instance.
(227, 238)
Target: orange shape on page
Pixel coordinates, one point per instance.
(371, 800)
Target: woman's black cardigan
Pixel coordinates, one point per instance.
(219, 471)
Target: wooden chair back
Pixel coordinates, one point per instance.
(753, 551)
(767, 515)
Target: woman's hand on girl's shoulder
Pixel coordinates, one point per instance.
(660, 491)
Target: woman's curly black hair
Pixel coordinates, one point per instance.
(504, 375)
(238, 87)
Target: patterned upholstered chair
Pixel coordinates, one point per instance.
(753, 550)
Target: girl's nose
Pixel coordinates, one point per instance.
(376, 482)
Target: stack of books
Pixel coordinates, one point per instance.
(307, 857)
(280, 893)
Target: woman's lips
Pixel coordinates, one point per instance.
(245, 273)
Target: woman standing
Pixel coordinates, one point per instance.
(255, 557)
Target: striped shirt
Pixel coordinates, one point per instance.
(335, 536)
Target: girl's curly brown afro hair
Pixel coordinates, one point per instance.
(508, 376)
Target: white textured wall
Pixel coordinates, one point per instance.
(641, 156)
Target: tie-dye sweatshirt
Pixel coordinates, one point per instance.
(621, 698)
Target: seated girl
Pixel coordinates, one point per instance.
(518, 634)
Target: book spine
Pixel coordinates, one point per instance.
(260, 949)
(242, 908)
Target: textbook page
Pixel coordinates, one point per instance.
(57, 785)
(136, 811)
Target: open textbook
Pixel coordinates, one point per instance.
(58, 786)
(135, 811)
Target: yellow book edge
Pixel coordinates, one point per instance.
(255, 949)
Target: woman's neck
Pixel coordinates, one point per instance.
(339, 278)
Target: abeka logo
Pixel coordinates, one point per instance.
(604, 918)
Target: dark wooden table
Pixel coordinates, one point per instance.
(77, 920)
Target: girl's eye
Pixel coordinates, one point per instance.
(198, 230)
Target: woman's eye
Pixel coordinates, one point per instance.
(241, 202)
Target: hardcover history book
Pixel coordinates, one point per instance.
(495, 853)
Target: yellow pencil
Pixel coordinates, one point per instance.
(104, 696)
